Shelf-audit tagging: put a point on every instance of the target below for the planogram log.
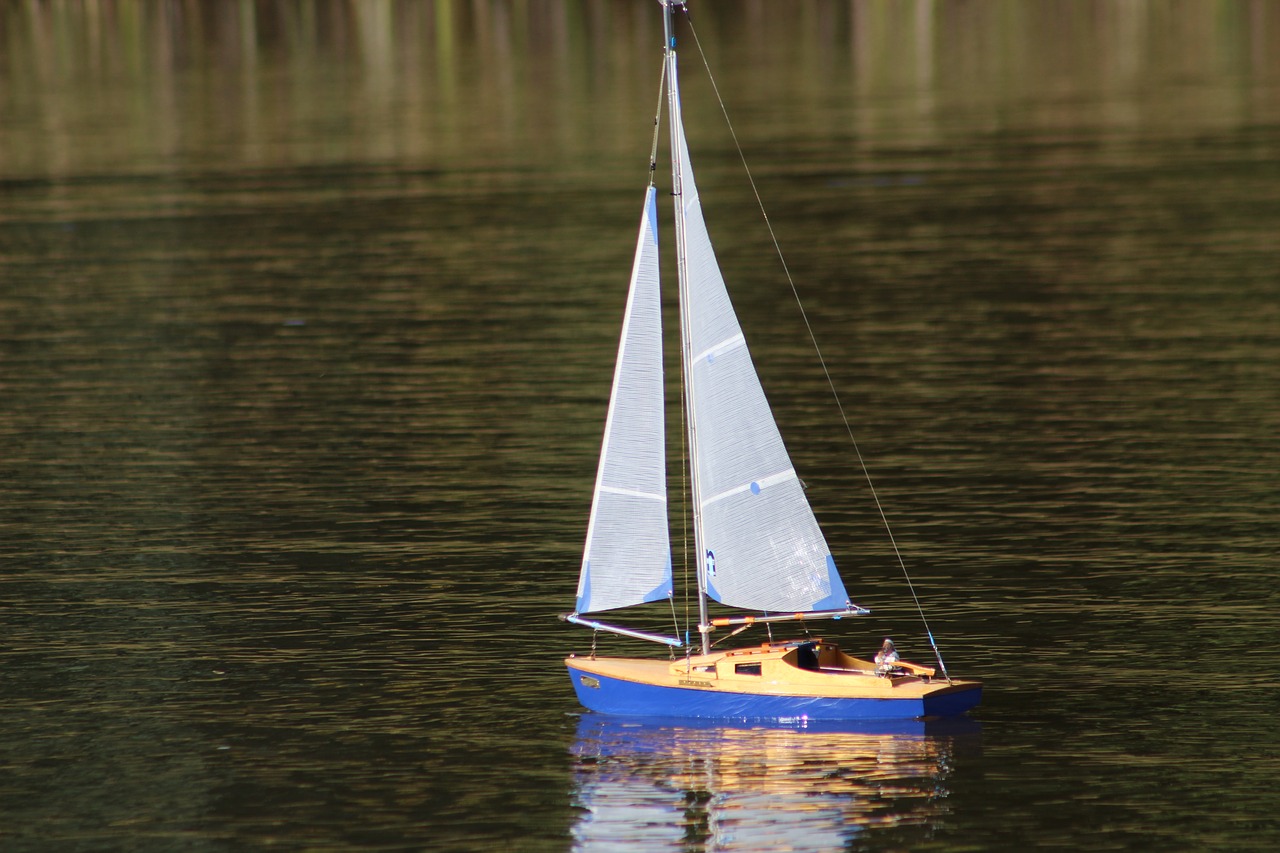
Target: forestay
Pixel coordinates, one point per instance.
(627, 557)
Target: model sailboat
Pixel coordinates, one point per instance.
(760, 546)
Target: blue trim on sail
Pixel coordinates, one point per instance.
(838, 598)
(652, 208)
(663, 590)
(709, 574)
(660, 592)
(585, 598)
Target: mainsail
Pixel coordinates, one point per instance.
(627, 557)
(761, 544)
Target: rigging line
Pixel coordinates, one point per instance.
(866, 473)
(657, 124)
(675, 620)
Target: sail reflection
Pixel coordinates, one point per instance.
(657, 785)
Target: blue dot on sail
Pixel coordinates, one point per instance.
(755, 488)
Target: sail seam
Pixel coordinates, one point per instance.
(728, 345)
(754, 485)
(615, 490)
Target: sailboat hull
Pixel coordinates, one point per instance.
(763, 684)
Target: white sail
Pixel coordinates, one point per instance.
(761, 544)
(627, 558)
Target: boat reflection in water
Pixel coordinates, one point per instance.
(688, 784)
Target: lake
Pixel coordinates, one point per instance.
(308, 314)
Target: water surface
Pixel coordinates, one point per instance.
(307, 318)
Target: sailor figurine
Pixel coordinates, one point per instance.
(886, 658)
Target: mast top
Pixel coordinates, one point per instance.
(667, 6)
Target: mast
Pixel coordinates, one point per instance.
(686, 344)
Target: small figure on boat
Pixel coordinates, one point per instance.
(887, 658)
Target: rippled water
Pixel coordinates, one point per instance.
(306, 327)
(668, 785)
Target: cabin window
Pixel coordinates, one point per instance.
(746, 668)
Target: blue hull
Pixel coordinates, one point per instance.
(629, 698)
(608, 732)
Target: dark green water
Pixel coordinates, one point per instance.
(307, 318)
